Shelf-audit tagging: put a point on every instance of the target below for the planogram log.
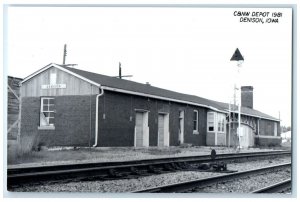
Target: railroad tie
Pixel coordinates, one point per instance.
(153, 169)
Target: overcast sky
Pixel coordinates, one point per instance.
(187, 50)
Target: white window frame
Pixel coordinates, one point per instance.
(213, 123)
(45, 121)
(197, 122)
(221, 123)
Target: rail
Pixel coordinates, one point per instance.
(275, 188)
(188, 185)
(17, 176)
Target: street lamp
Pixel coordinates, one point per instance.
(237, 56)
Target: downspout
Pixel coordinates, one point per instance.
(96, 123)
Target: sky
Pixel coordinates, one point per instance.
(187, 50)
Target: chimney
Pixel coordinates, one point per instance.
(247, 96)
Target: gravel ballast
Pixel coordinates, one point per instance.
(129, 185)
(248, 184)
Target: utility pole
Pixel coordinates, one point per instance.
(237, 56)
(229, 123)
(65, 54)
(120, 73)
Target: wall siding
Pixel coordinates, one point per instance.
(210, 139)
(75, 86)
(221, 139)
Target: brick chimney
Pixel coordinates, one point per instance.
(247, 96)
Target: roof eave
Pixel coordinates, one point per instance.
(160, 97)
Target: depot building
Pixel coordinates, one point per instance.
(64, 106)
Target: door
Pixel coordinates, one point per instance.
(247, 137)
(181, 127)
(160, 130)
(163, 130)
(141, 130)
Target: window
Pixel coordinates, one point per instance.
(210, 121)
(219, 119)
(47, 112)
(221, 123)
(195, 121)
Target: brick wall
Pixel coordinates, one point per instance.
(247, 96)
(29, 120)
(195, 139)
(266, 127)
(75, 117)
(263, 141)
(118, 126)
(74, 121)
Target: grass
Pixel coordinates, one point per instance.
(22, 150)
(96, 154)
(47, 157)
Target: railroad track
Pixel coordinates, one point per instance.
(191, 184)
(276, 188)
(127, 169)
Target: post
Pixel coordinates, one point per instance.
(240, 102)
(65, 54)
(237, 56)
(120, 71)
(229, 124)
(19, 118)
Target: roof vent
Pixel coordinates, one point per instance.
(148, 84)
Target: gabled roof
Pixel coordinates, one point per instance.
(131, 87)
(116, 84)
(61, 68)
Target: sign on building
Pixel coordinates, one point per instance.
(50, 86)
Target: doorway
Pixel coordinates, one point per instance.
(141, 130)
(163, 129)
(181, 127)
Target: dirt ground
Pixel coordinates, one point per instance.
(66, 155)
